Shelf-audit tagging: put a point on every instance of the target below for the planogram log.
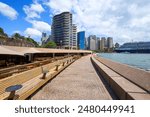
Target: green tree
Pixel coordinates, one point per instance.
(17, 36)
(32, 41)
(50, 44)
(1, 31)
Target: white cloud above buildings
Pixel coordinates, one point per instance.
(121, 19)
(8, 11)
(124, 20)
(33, 13)
(41, 26)
(37, 28)
(33, 33)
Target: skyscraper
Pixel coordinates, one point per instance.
(86, 43)
(110, 42)
(102, 43)
(98, 43)
(81, 40)
(92, 42)
(44, 38)
(74, 37)
(63, 32)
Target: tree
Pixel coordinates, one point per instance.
(17, 36)
(1, 31)
(50, 44)
(32, 41)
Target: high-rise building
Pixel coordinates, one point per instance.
(81, 40)
(63, 32)
(110, 42)
(45, 38)
(73, 41)
(86, 43)
(92, 42)
(98, 43)
(102, 43)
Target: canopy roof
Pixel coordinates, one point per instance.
(5, 51)
(15, 50)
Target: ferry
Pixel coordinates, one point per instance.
(134, 47)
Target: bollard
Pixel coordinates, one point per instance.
(63, 64)
(44, 74)
(12, 90)
(57, 67)
(67, 61)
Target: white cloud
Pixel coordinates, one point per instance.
(60, 5)
(41, 26)
(37, 28)
(34, 33)
(121, 19)
(8, 11)
(34, 10)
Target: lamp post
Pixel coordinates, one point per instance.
(60, 44)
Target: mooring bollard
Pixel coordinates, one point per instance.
(57, 67)
(44, 74)
(12, 90)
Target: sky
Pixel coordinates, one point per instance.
(124, 20)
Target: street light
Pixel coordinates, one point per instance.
(60, 44)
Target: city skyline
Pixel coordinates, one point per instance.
(123, 20)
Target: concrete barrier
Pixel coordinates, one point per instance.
(137, 76)
(121, 86)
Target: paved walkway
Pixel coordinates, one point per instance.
(78, 81)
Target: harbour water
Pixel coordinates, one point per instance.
(141, 61)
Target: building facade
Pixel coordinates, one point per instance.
(102, 43)
(81, 40)
(74, 37)
(63, 32)
(98, 43)
(92, 42)
(45, 38)
(110, 42)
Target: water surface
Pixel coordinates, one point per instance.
(141, 61)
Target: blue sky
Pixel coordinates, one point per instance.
(124, 20)
(18, 24)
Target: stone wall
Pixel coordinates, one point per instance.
(15, 42)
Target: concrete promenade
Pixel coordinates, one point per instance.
(78, 81)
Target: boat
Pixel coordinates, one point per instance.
(134, 47)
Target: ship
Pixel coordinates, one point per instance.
(134, 47)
